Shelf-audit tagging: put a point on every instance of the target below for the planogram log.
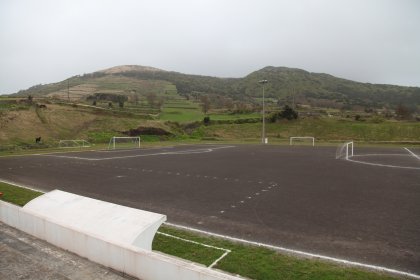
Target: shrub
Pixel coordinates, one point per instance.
(206, 120)
(287, 113)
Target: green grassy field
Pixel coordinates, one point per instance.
(181, 115)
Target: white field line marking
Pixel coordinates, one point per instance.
(121, 157)
(301, 253)
(226, 251)
(48, 153)
(384, 165)
(205, 150)
(21, 186)
(367, 155)
(134, 149)
(413, 154)
(296, 252)
(51, 155)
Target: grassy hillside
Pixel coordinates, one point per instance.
(79, 87)
(285, 85)
(20, 127)
(21, 122)
(308, 88)
(131, 99)
(326, 130)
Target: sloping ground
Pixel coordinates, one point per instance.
(77, 92)
(128, 68)
(57, 122)
(80, 88)
(307, 88)
(322, 129)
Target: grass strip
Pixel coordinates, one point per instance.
(185, 250)
(245, 260)
(256, 262)
(17, 195)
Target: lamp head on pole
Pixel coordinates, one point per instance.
(262, 81)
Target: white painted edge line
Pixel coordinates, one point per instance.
(413, 154)
(301, 253)
(134, 149)
(296, 252)
(219, 259)
(226, 251)
(21, 186)
(42, 153)
(368, 155)
(195, 151)
(384, 165)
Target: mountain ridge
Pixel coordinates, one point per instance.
(283, 82)
(128, 68)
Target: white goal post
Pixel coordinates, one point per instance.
(126, 142)
(73, 143)
(302, 138)
(345, 150)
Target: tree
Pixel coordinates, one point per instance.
(402, 112)
(121, 99)
(151, 99)
(160, 102)
(228, 104)
(134, 97)
(205, 103)
(206, 120)
(287, 113)
(242, 108)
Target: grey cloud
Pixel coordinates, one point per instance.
(373, 41)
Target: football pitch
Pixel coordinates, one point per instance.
(364, 209)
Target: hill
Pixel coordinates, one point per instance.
(328, 91)
(285, 85)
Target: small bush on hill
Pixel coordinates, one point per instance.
(206, 120)
(287, 113)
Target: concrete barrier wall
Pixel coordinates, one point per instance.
(105, 220)
(146, 265)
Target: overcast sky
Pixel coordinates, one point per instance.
(375, 41)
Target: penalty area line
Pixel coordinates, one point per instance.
(413, 154)
(300, 253)
(226, 251)
(180, 152)
(383, 165)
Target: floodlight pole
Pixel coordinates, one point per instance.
(263, 82)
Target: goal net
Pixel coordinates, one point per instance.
(73, 144)
(302, 139)
(345, 150)
(124, 143)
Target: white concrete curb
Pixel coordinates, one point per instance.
(130, 259)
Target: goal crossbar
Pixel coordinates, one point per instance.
(302, 138)
(125, 141)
